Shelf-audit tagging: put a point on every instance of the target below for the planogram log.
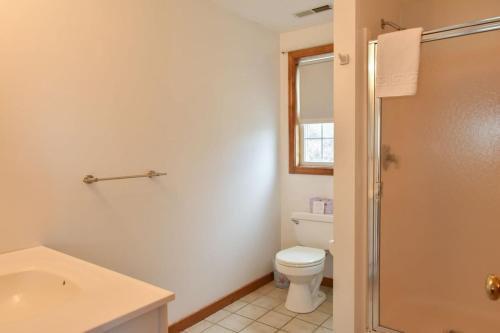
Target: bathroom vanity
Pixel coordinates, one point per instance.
(42, 290)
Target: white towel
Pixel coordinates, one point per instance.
(398, 57)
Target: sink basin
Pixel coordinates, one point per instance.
(24, 294)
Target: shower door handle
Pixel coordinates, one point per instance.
(493, 287)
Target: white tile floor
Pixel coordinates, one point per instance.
(263, 311)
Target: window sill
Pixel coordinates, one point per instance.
(311, 171)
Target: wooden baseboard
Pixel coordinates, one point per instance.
(327, 282)
(201, 314)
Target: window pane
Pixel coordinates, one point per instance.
(328, 130)
(328, 150)
(318, 143)
(312, 150)
(312, 131)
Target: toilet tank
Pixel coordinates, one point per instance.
(313, 230)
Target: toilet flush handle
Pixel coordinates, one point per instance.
(295, 221)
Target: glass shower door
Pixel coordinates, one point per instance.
(439, 209)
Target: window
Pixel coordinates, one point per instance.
(317, 144)
(311, 128)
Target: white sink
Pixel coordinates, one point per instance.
(42, 290)
(24, 294)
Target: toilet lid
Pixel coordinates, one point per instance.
(300, 256)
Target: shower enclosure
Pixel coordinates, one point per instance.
(434, 178)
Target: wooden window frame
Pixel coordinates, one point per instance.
(293, 127)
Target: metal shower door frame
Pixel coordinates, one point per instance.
(374, 159)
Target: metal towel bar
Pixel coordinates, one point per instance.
(89, 179)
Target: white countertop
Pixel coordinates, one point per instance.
(99, 299)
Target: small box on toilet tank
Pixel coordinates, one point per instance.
(321, 205)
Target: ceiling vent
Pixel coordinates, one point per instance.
(313, 11)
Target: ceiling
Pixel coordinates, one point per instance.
(279, 15)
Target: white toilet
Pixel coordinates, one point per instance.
(303, 265)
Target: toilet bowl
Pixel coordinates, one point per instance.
(303, 266)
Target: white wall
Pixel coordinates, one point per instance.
(296, 189)
(344, 186)
(122, 86)
(355, 23)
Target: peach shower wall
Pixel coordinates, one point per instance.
(433, 14)
(439, 214)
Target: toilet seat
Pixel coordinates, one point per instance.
(300, 256)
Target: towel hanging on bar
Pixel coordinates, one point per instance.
(398, 57)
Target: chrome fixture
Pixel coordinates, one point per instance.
(388, 157)
(384, 23)
(89, 179)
